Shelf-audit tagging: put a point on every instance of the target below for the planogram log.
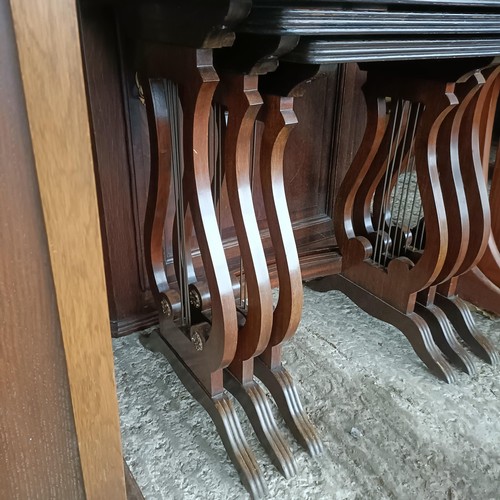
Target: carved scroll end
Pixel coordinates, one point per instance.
(356, 250)
(400, 266)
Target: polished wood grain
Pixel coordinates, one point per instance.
(279, 119)
(454, 163)
(476, 192)
(238, 94)
(480, 285)
(477, 289)
(199, 365)
(393, 286)
(468, 220)
(486, 109)
(39, 452)
(317, 157)
(438, 103)
(121, 192)
(193, 72)
(50, 58)
(455, 198)
(456, 215)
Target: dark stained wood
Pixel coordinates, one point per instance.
(319, 51)
(489, 264)
(191, 253)
(316, 159)
(196, 100)
(454, 203)
(222, 413)
(463, 322)
(349, 124)
(455, 199)
(195, 23)
(312, 221)
(480, 284)
(198, 347)
(122, 191)
(495, 192)
(279, 120)
(238, 95)
(477, 289)
(133, 490)
(460, 166)
(437, 104)
(308, 171)
(256, 405)
(352, 228)
(212, 322)
(328, 20)
(495, 203)
(40, 455)
(444, 336)
(254, 55)
(412, 325)
(476, 193)
(468, 142)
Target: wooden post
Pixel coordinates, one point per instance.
(67, 289)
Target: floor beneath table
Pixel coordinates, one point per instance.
(390, 429)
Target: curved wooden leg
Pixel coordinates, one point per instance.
(222, 413)
(282, 388)
(254, 402)
(461, 318)
(445, 338)
(238, 94)
(228, 426)
(413, 326)
(279, 119)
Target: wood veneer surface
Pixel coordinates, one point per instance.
(47, 38)
(38, 446)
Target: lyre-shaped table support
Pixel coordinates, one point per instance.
(406, 274)
(217, 331)
(198, 353)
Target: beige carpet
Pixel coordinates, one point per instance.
(390, 429)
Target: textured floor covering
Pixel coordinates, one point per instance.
(390, 429)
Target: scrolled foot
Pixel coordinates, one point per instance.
(461, 318)
(418, 333)
(445, 338)
(229, 429)
(282, 388)
(413, 326)
(256, 406)
(223, 415)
